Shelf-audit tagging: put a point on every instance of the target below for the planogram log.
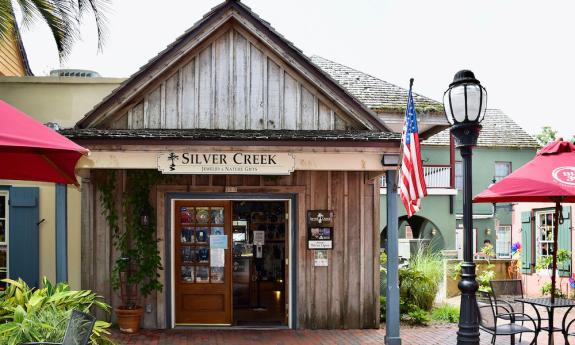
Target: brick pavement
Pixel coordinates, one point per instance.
(440, 334)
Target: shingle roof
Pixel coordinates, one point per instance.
(499, 130)
(230, 135)
(377, 94)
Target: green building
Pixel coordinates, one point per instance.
(502, 147)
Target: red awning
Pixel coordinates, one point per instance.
(31, 151)
(549, 177)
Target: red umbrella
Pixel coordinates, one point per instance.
(549, 177)
(31, 151)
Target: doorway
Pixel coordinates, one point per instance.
(259, 262)
(231, 262)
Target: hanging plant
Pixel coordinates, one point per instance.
(138, 263)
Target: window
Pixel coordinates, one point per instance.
(503, 241)
(3, 237)
(458, 175)
(543, 234)
(502, 169)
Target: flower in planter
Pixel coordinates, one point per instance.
(516, 247)
(515, 250)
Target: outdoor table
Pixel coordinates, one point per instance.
(546, 302)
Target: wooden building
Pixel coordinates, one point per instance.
(250, 136)
(13, 58)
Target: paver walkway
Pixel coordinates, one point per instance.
(430, 335)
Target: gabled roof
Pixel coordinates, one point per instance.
(377, 94)
(499, 130)
(219, 15)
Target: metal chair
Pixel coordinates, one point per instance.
(490, 318)
(506, 292)
(78, 331)
(566, 329)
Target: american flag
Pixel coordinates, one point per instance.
(411, 181)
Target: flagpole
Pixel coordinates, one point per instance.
(402, 133)
(392, 326)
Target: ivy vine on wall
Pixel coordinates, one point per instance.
(138, 263)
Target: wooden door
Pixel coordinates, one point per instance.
(203, 290)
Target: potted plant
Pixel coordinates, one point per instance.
(135, 272)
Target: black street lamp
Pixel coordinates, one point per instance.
(465, 103)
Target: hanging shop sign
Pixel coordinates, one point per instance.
(320, 229)
(241, 163)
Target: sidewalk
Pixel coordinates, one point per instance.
(439, 334)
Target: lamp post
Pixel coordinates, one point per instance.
(465, 103)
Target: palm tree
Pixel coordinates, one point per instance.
(63, 18)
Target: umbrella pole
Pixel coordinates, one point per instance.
(555, 233)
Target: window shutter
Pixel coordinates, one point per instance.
(23, 241)
(526, 243)
(564, 241)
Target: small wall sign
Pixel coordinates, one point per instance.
(218, 241)
(320, 229)
(320, 258)
(259, 238)
(217, 163)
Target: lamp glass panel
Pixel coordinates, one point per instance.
(458, 103)
(447, 107)
(473, 102)
(483, 104)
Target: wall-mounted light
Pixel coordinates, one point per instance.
(390, 160)
(144, 220)
(433, 232)
(487, 232)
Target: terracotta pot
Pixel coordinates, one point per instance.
(129, 319)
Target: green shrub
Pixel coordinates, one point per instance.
(35, 315)
(419, 281)
(418, 286)
(382, 308)
(428, 263)
(546, 290)
(487, 274)
(445, 312)
(483, 278)
(417, 316)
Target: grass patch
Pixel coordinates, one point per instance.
(446, 313)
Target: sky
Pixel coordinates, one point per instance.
(522, 51)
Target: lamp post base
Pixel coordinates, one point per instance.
(468, 317)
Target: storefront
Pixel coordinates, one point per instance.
(266, 195)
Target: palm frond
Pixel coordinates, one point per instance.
(7, 19)
(57, 14)
(99, 9)
(63, 17)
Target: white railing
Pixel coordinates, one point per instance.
(435, 177)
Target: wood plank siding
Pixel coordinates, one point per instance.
(233, 82)
(11, 60)
(342, 295)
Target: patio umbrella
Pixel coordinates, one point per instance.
(31, 151)
(549, 177)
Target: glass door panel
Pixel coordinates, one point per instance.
(203, 288)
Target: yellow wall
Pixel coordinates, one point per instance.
(47, 211)
(65, 101)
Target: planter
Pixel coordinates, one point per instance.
(129, 319)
